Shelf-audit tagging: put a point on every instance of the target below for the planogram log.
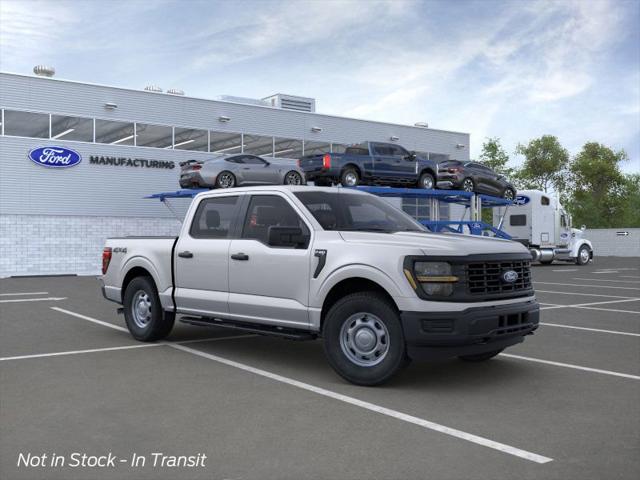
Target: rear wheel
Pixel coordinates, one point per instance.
(225, 180)
(293, 178)
(509, 194)
(363, 339)
(349, 177)
(584, 255)
(468, 185)
(480, 357)
(143, 313)
(426, 181)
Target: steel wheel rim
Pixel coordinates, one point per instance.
(467, 185)
(226, 180)
(584, 255)
(427, 183)
(141, 309)
(351, 179)
(508, 194)
(364, 339)
(293, 178)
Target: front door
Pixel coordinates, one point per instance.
(202, 257)
(257, 171)
(269, 284)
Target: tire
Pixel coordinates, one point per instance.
(293, 178)
(225, 179)
(427, 181)
(509, 194)
(584, 255)
(143, 313)
(480, 357)
(349, 177)
(378, 353)
(468, 185)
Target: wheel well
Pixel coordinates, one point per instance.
(354, 166)
(348, 286)
(134, 273)
(428, 170)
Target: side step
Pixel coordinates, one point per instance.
(288, 333)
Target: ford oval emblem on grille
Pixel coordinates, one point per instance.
(509, 276)
(55, 157)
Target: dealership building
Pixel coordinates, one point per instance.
(127, 144)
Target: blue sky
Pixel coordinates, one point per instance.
(514, 69)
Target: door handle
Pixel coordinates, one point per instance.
(185, 254)
(240, 256)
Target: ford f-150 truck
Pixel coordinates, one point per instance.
(331, 263)
(371, 163)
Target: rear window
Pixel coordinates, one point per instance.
(214, 218)
(518, 220)
(356, 151)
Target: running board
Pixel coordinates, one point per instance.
(282, 332)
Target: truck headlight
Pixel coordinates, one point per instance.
(435, 278)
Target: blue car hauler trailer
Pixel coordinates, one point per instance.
(473, 202)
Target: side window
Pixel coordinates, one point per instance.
(266, 211)
(398, 151)
(563, 220)
(381, 149)
(253, 160)
(235, 159)
(214, 218)
(544, 200)
(518, 220)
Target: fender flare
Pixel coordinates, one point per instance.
(142, 262)
(576, 247)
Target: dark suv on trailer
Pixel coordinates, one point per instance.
(474, 177)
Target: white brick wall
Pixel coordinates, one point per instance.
(51, 245)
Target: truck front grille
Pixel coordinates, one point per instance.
(485, 278)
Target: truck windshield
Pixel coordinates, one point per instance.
(350, 212)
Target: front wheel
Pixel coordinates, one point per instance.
(480, 357)
(143, 313)
(426, 181)
(293, 178)
(584, 255)
(509, 194)
(363, 339)
(468, 185)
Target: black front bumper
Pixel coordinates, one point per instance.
(437, 335)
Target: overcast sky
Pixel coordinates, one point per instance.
(513, 69)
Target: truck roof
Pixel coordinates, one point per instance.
(281, 188)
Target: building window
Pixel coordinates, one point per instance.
(157, 136)
(114, 133)
(258, 145)
(316, 148)
(191, 139)
(71, 128)
(26, 124)
(420, 208)
(225, 143)
(287, 148)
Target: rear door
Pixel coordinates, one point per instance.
(202, 257)
(269, 284)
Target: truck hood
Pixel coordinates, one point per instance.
(437, 243)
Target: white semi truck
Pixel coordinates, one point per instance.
(538, 221)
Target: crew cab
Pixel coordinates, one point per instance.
(371, 163)
(331, 263)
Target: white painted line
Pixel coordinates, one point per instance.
(606, 271)
(591, 329)
(89, 319)
(629, 276)
(569, 365)
(76, 352)
(23, 293)
(583, 294)
(372, 407)
(611, 310)
(604, 280)
(567, 270)
(47, 299)
(588, 286)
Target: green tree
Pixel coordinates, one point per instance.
(545, 164)
(495, 157)
(630, 215)
(599, 194)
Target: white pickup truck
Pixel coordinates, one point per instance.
(307, 262)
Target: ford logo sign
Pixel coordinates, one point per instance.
(509, 276)
(521, 200)
(55, 157)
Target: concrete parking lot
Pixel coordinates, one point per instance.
(563, 405)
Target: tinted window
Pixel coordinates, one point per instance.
(518, 220)
(113, 132)
(72, 128)
(544, 200)
(382, 149)
(253, 160)
(26, 124)
(341, 211)
(214, 218)
(398, 151)
(357, 151)
(239, 159)
(267, 211)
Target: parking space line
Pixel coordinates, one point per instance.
(629, 276)
(585, 294)
(588, 286)
(611, 310)
(605, 280)
(22, 293)
(49, 299)
(598, 330)
(89, 319)
(76, 352)
(570, 365)
(567, 270)
(371, 407)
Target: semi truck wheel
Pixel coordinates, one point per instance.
(480, 357)
(363, 339)
(143, 313)
(584, 255)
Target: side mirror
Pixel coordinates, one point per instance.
(411, 156)
(287, 237)
(583, 228)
